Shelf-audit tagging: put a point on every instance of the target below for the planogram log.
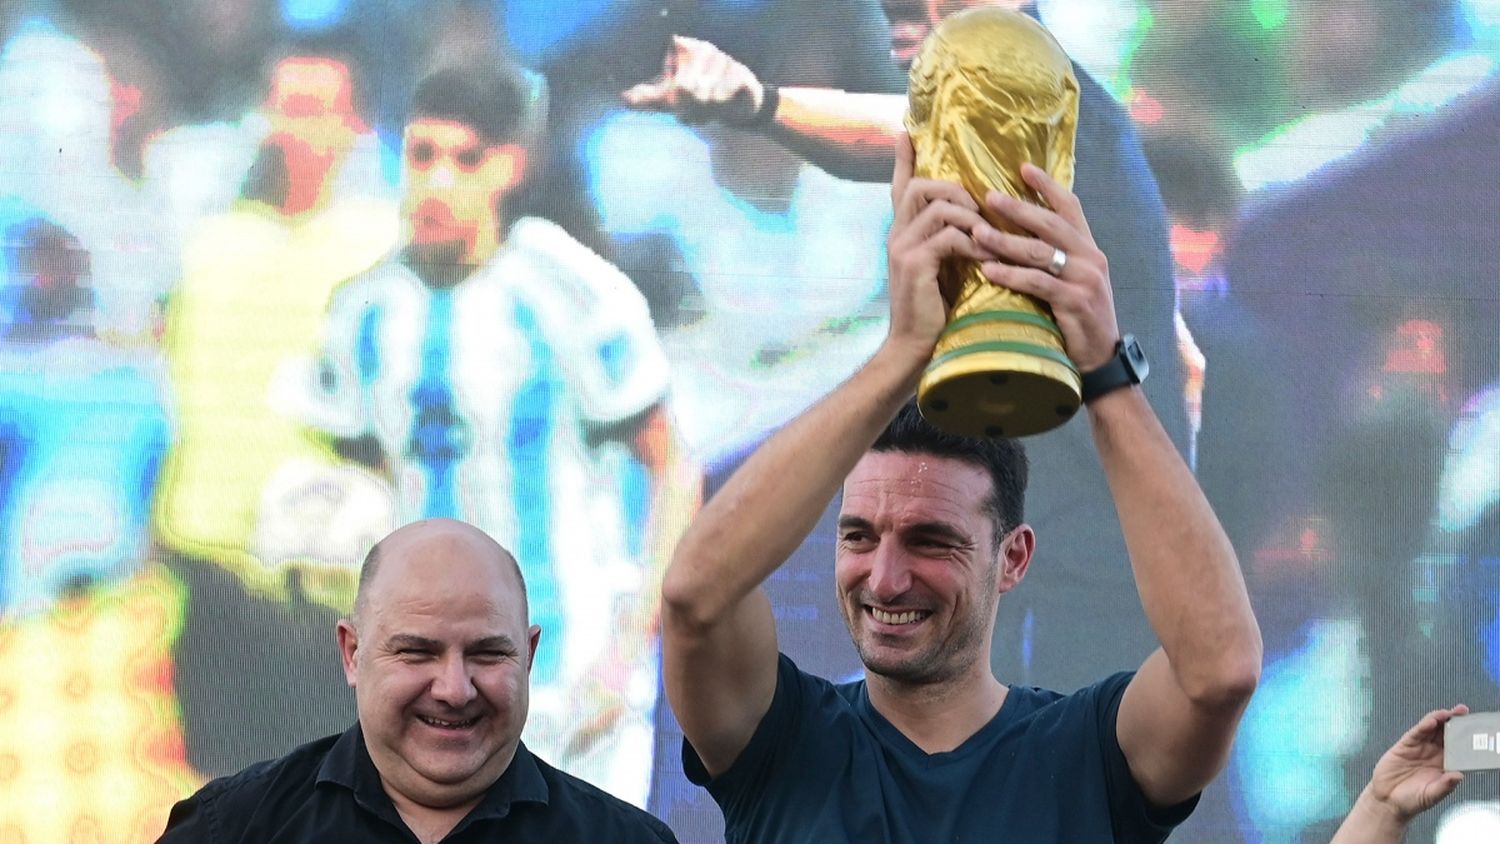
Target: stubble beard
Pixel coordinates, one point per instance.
(441, 265)
(933, 661)
(936, 662)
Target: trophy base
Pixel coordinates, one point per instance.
(980, 391)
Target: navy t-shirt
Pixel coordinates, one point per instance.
(824, 766)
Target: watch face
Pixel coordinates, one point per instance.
(1135, 358)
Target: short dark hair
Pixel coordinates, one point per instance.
(1004, 460)
(492, 98)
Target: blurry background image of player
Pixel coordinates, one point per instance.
(76, 109)
(314, 126)
(912, 20)
(318, 170)
(497, 371)
(86, 619)
(254, 515)
(454, 184)
(763, 271)
(247, 315)
(213, 50)
(82, 429)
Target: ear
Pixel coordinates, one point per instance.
(533, 638)
(1015, 557)
(348, 648)
(513, 158)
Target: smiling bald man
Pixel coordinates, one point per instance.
(438, 651)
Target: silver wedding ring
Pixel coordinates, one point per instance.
(1058, 262)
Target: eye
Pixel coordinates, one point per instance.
(934, 544)
(468, 160)
(421, 154)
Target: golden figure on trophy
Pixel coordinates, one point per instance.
(990, 90)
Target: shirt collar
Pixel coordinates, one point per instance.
(348, 764)
(522, 782)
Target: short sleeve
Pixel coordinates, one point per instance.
(597, 322)
(757, 764)
(348, 361)
(1132, 816)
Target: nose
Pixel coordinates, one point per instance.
(441, 176)
(453, 686)
(890, 576)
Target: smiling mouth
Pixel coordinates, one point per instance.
(444, 724)
(431, 212)
(898, 619)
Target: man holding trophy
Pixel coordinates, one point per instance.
(931, 746)
(853, 134)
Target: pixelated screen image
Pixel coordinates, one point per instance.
(277, 276)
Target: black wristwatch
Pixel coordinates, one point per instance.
(1127, 367)
(770, 101)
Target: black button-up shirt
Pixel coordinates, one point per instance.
(329, 791)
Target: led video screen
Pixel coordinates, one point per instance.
(231, 359)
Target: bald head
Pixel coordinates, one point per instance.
(439, 635)
(407, 550)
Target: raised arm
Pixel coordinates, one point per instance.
(674, 479)
(718, 637)
(852, 136)
(1408, 780)
(1179, 715)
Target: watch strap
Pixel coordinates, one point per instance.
(1122, 370)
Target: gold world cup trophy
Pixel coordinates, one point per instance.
(990, 90)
